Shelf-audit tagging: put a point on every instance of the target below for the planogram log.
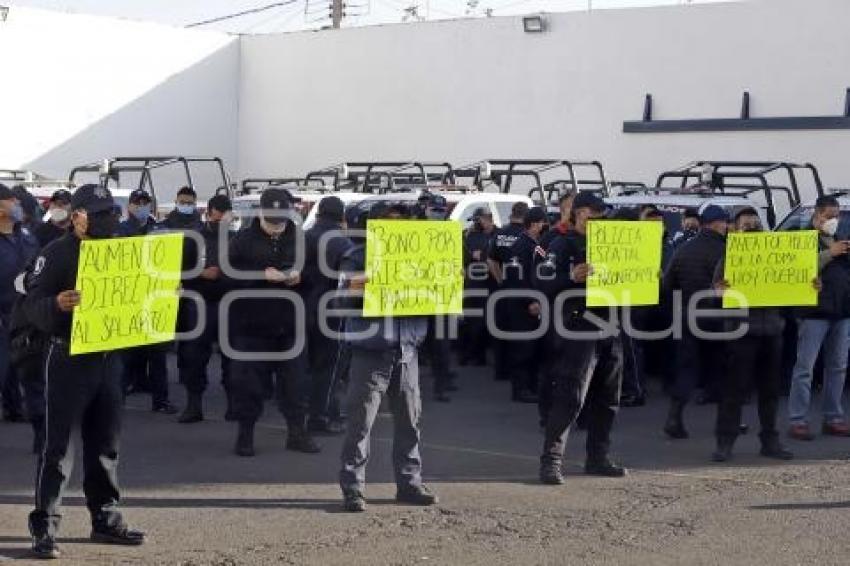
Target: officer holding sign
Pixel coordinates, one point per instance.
(83, 392)
(586, 366)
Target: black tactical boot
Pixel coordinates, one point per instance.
(675, 426)
(416, 495)
(194, 412)
(723, 453)
(772, 448)
(604, 468)
(299, 440)
(551, 474)
(245, 439)
(44, 547)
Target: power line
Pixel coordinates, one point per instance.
(244, 13)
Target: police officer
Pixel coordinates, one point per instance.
(145, 367)
(584, 368)
(474, 338)
(754, 359)
(498, 256)
(17, 247)
(59, 218)
(325, 246)
(523, 314)
(267, 249)
(83, 392)
(691, 271)
(690, 227)
(193, 355)
(384, 361)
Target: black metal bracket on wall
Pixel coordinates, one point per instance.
(744, 123)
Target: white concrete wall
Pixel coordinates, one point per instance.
(75, 89)
(468, 90)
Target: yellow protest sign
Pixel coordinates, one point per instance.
(128, 292)
(626, 261)
(415, 267)
(771, 269)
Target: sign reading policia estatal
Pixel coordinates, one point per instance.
(771, 269)
(413, 267)
(626, 261)
(128, 292)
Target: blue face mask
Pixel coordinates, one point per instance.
(186, 209)
(142, 213)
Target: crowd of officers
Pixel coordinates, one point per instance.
(519, 269)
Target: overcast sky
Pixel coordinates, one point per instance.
(302, 14)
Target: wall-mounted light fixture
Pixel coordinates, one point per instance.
(4, 13)
(534, 24)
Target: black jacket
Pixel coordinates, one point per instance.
(315, 283)
(477, 243)
(251, 249)
(47, 232)
(502, 242)
(566, 252)
(692, 266)
(519, 270)
(16, 251)
(213, 234)
(55, 270)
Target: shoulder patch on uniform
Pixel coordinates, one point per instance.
(39, 265)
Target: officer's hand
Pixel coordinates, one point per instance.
(211, 273)
(817, 284)
(839, 248)
(358, 282)
(581, 272)
(293, 278)
(534, 309)
(722, 285)
(476, 255)
(275, 275)
(67, 300)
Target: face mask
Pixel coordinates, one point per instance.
(17, 213)
(143, 213)
(101, 225)
(58, 215)
(186, 209)
(830, 227)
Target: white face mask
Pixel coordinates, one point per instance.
(59, 215)
(830, 227)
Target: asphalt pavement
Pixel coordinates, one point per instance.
(202, 505)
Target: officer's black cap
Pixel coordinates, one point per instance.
(92, 199)
(331, 208)
(589, 200)
(535, 214)
(276, 199)
(140, 195)
(482, 212)
(61, 195)
(6, 193)
(220, 203)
